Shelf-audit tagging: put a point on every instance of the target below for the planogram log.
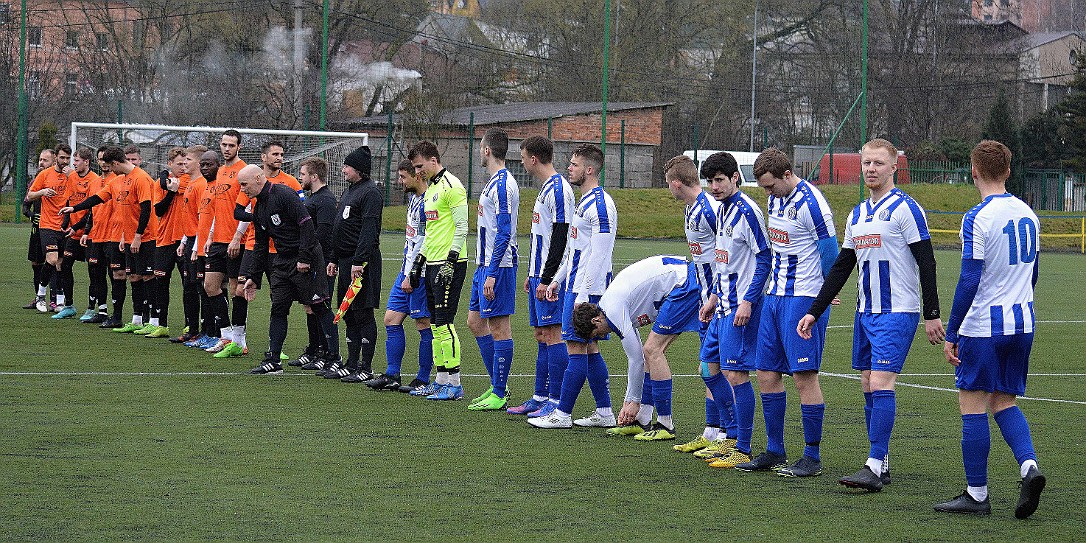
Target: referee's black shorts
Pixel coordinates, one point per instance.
(288, 285)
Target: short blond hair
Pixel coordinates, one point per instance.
(683, 169)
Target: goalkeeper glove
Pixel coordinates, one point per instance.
(445, 274)
(415, 275)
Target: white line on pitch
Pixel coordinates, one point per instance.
(944, 389)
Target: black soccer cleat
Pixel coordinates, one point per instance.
(415, 383)
(766, 461)
(329, 366)
(964, 503)
(804, 467)
(384, 382)
(316, 362)
(338, 373)
(864, 479)
(302, 360)
(98, 318)
(268, 367)
(110, 324)
(353, 377)
(1029, 493)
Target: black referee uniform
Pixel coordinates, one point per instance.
(280, 215)
(321, 205)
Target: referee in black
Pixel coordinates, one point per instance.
(296, 270)
(357, 235)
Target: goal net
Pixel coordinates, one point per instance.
(155, 142)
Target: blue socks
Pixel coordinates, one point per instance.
(883, 410)
(599, 380)
(557, 361)
(503, 359)
(541, 365)
(661, 396)
(395, 345)
(976, 443)
(812, 415)
(1012, 424)
(486, 350)
(646, 391)
(773, 404)
(712, 414)
(868, 402)
(744, 415)
(426, 354)
(576, 372)
(723, 398)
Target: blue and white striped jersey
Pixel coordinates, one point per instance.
(1005, 233)
(701, 220)
(498, 204)
(415, 232)
(553, 205)
(740, 236)
(586, 269)
(633, 300)
(796, 223)
(880, 234)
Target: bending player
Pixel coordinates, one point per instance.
(886, 237)
(494, 285)
(990, 333)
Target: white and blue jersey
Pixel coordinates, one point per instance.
(554, 205)
(880, 234)
(740, 236)
(498, 204)
(586, 269)
(701, 228)
(415, 231)
(1004, 233)
(634, 299)
(797, 222)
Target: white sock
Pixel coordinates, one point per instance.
(666, 421)
(43, 290)
(454, 379)
(605, 412)
(60, 300)
(155, 321)
(1026, 465)
(562, 414)
(874, 465)
(137, 319)
(239, 336)
(644, 415)
(227, 333)
(711, 433)
(979, 493)
(539, 398)
(442, 378)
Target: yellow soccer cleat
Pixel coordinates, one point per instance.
(718, 449)
(627, 430)
(733, 458)
(697, 444)
(658, 432)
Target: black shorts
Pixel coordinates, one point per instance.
(369, 296)
(196, 271)
(165, 259)
(95, 253)
(73, 250)
(52, 241)
(246, 261)
(288, 285)
(217, 261)
(141, 263)
(113, 254)
(443, 301)
(33, 251)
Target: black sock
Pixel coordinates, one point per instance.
(329, 331)
(149, 301)
(240, 311)
(137, 299)
(369, 339)
(162, 294)
(37, 276)
(190, 299)
(120, 289)
(316, 334)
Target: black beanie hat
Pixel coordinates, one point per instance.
(359, 159)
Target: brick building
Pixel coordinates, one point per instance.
(632, 161)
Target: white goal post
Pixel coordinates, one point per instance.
(155, 140)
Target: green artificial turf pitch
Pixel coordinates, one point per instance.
(104, 437)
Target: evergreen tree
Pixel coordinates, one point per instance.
(1072, 110)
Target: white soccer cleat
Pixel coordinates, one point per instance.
(554, 420)
(596, 420)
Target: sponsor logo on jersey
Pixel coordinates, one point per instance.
(803, 360)
(792, 213)
(695, 248)
(722, 256)
(778, 236)
(122, 196)
(480, 210)
(432, 215)
(643, 320)
(535, 218)
(884, 214)
(573, 232)
(410, 231)
(728, 231)
(870, 241)
(346, 212)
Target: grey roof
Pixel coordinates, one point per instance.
(1038, 39)
(517, 112)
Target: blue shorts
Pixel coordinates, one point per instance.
(679, 312)
(992, 364)
(544, 312)
(780, 348)
(881, 341)
(733, 347)
(505, 293)
(567, 318)
(413, 305)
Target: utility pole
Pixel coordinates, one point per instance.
(20, 145)
(299, 59)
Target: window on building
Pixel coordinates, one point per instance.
(988, 3)
(71, 83)
(33, 83)
(5, 14)
(102, 41)
(33, 36)
(71, 39)
(1072, 57)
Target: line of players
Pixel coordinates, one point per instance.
(748, 285)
